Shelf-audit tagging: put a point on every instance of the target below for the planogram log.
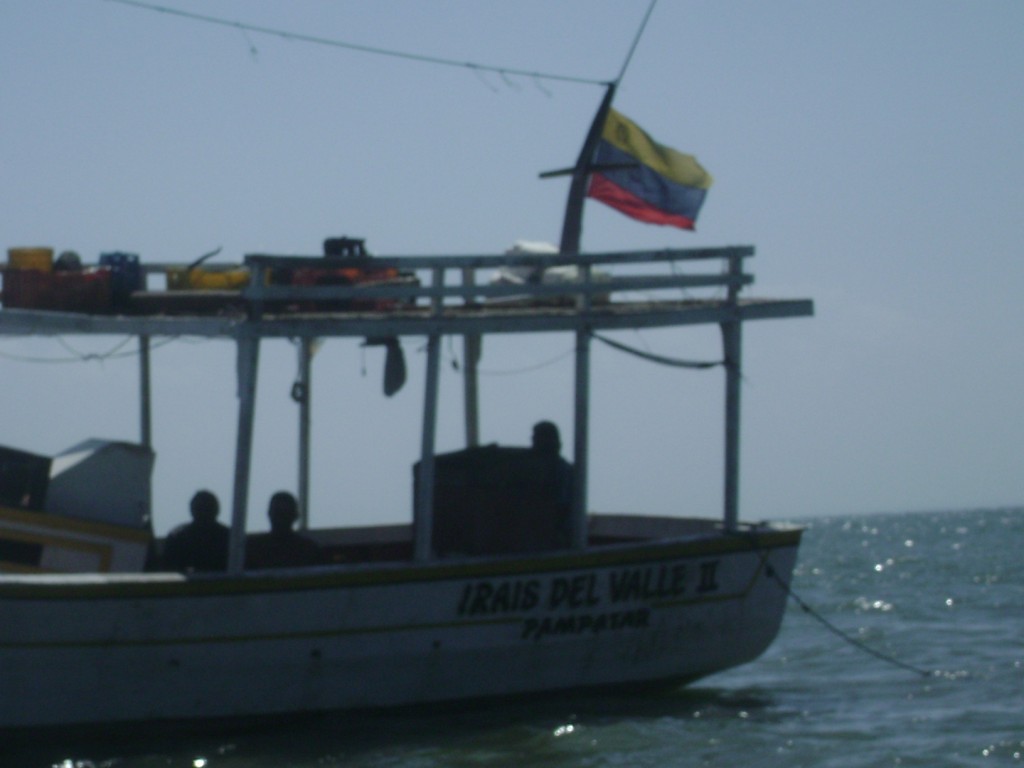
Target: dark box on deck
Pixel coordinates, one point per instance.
(496, 500)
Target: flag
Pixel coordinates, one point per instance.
(657, 184)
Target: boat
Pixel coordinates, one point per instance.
(502, 582)
(493, 588)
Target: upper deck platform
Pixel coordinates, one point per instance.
(305, 297)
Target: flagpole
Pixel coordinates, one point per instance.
(572, 224)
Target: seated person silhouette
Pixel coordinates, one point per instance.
(282, 547)
(201, 545)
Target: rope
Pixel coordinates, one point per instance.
(84, 357)
(636, 41)
(839, 633)
(525, 368)
(661, 359)
(313, 39)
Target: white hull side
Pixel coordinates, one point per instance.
(77, 650)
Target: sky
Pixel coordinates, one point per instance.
(871, 151)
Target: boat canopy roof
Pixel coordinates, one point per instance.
(429, 295)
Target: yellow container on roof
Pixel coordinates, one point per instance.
(198, 279)
(40, 259)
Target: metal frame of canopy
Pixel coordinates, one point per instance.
(470, 309)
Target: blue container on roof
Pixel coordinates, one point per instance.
(125, 275)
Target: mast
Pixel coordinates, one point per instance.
(572, 227)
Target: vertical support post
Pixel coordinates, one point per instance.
(423, 514)
(146, 411)
(248, 363)
(145, 403)
(572, 229)
(732, 349)
(470, 379)
(471, 382)
(304, 395)
(731, 344)
(581, 418)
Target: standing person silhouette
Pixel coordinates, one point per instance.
(547, 442)
(557, 477)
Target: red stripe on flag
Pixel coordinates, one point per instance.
(615, 196)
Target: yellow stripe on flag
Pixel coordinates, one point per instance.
(623, 133)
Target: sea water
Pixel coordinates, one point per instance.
(903, 646)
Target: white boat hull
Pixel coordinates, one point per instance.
(92, 649)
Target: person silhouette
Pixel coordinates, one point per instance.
(547, 443)
(282, 547)
(201, 545)
(555, 476)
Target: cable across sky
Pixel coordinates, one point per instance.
(316, 40)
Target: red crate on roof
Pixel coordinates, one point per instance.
(86, 291)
